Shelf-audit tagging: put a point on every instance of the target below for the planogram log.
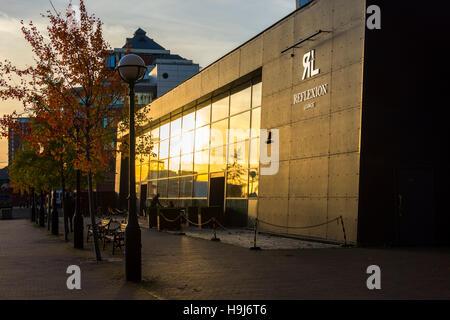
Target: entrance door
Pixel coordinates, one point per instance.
(415, 207)
(143, 198)
(217, 190)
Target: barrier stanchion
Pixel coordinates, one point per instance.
(343, 230)
(314, 226)
(214, 228)
(255, 248)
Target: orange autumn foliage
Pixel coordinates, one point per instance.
(70, 91)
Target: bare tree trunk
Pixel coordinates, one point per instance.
(63, 204)
(49, 210)
(90, 196)
(92, 214)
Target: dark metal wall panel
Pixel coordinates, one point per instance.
(404, 121)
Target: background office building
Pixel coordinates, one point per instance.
(354, 108)
(164, 69)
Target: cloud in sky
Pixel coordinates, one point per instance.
(200, 30)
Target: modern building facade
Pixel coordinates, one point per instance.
(15, 140)
(339, 102)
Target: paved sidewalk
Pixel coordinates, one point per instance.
(188, 268)
(33, 264)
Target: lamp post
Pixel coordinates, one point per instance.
(131, 69)
(33, 206)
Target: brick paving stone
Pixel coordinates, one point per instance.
(33, 264)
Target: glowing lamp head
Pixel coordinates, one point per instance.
(131, 68)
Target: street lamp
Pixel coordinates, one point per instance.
(33, 206)
(132, 69)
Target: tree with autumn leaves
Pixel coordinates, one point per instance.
(71, 92)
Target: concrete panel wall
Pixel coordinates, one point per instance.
(324, 141)
(319, 146)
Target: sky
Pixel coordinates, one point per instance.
(199, 30)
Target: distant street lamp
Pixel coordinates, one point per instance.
(132, 69)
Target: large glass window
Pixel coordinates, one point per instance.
(240, 99)
(175, 146)
(162, 188)
(237, 182)
(163, 168)
(220, 106)
(154, 151)
(174, 166)
(173, 188)
(219, 133)
(187, 164)
(201, 161)
(152, 188)
(175, 126)
(201, 186)
(253, 182)
(154, 167)
(256, 94)
(164, 131)
(155, 135)
(254, 153)
(238, 154)
(212, 137)
(239, 127)
(256, 122)
(164, 149)
(217, 160)
(189, 121)
(202, 138)
(144, 172)
(187, 142)
(186, 187)
(203, 114)
(137, 172)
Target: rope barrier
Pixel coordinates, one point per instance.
(221, 225)
(257, 221)
(169, 220)
(195, 224)
(308, 227)
(199, 224)
(338, 219)
(116, 211)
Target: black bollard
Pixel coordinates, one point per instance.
(254, 238)
(33, 208)
(214, 238)
(42, 212)
(55, 218)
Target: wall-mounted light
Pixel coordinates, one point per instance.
(269, 137)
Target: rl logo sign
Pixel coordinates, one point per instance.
(309, 65)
